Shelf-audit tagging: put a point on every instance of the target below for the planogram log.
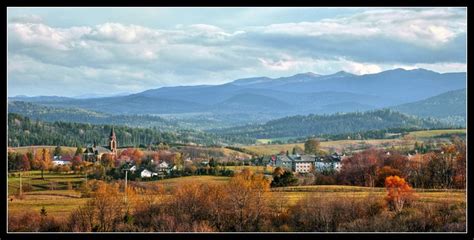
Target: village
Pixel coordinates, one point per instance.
(297, 162)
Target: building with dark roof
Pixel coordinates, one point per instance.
(307, 163)
(94, 153)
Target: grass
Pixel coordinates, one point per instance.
(58, 203)
(36, 183)
(293, 194)
(173, 182)
(436, 133)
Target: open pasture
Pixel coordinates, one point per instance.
(436, 133)
(269, 149)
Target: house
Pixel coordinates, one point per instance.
(61, 161)
(307, 163)
(303, 163)
(133, 169)
(283, 161)
(165, 167)
(296, 163)
(329, 162)
(147, 174)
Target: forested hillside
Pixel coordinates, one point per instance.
(78, 115)
(303, 126)
(22, 131)
(449, 106)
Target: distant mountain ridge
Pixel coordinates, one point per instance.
(303, 93)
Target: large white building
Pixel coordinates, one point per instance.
(307, 163)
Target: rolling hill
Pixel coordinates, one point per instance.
(304, 126)
(451, 103)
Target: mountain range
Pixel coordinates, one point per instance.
(257, 100)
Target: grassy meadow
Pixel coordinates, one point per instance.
(263, 147)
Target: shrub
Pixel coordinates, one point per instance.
(398, 192)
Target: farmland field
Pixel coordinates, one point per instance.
(293, 194)
(435, 133)
(58, 203)
(326, 146)
(267, 149)
(32, 179)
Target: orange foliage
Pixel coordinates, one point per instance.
(398, 192)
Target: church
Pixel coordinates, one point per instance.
(94, 153)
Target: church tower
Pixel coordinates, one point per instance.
(113, 141)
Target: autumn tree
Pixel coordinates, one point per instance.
(103, 213)
(385, 172)
(76, 163)
(460, 162)
(361, 168)
(137, 156)
(398, 192)
(25, 163)
(43, 161)
(248, 200)
(107, 160)
(311, 146)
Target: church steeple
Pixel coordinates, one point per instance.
(112, 133)
(113, 141)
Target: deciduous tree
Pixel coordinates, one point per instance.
(398, 192)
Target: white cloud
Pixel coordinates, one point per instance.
(278, 65)
(424, 27)
(38, 34)
(123, 33)
(361, 68)
(134, 57)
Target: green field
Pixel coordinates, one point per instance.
(52, 181)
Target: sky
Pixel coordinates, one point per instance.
(106, 51)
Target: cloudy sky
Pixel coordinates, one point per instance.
(105, 51)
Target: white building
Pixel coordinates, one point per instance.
(147, 174)
(59, 161)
